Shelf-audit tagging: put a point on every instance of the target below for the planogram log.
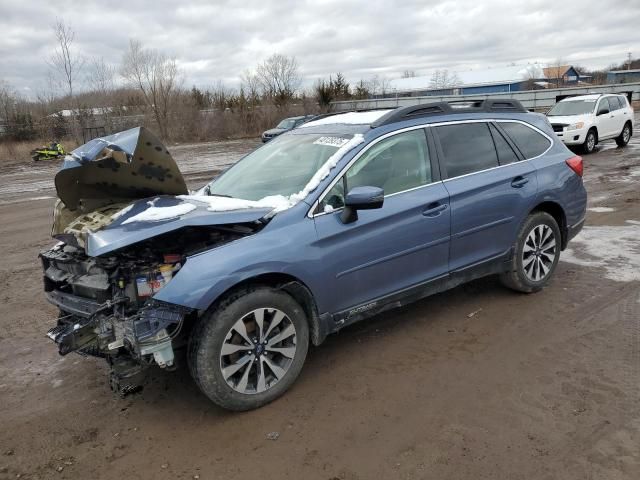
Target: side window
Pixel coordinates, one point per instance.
(395, 164)
(616, 103)
(506, 155)
(623, 101)
(528, 141)
(604, 105)
(467, 148)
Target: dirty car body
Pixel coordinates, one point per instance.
(326, 225)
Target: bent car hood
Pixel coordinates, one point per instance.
(121, 167)
(149, 218)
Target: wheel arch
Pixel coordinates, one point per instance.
(294, 287)
(557, 212)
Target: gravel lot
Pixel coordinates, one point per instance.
(478, 382)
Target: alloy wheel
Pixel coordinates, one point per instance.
(626, 134)
(539, 253)
(258, 350)
(591, 142)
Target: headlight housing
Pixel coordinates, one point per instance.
(575, 126)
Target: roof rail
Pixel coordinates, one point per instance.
(449, 108)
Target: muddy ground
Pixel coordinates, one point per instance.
(475, 383)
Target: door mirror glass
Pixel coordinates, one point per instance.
(603, 111)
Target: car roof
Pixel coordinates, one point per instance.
(380, 120)
(366, 117)
(591, 96)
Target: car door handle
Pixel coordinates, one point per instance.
(519, 182)
(434, 209)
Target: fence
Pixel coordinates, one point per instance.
(530, 99)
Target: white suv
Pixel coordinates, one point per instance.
(586, 120)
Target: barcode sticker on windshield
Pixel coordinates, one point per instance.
(331, 141)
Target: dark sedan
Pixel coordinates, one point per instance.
(284, 126)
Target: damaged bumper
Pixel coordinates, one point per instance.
(92, 329)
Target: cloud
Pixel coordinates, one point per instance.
(220, 40)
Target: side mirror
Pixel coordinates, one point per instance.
(603, 111)
(361, 198)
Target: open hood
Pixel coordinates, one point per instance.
(117, 168)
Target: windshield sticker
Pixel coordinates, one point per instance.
(331, 141)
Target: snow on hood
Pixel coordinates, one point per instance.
(145, 219)
(155, 214)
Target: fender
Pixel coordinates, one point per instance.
(281, 247)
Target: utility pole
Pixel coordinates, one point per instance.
(629, 61)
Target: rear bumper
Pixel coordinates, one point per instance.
(572, 231)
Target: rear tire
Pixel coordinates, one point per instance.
(535, 254)
(624, 136)
(590, 141)
(249, 349)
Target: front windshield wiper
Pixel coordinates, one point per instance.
(218, 195)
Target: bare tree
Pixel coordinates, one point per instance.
(66, 64)
(7, 101)
(250, 84)
(101, 76)
(408, 74)
(279, 77)
(65, 61)
(156, 76)
(443, 79)
(378, 85)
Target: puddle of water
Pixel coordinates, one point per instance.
(601, 209)
(614, 248)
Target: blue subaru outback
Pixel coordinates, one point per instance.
(349, 215)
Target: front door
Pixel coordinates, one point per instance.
(400, 245)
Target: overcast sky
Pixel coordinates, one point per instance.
(218, 40)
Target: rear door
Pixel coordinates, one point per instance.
(490, 188)
(605, 119)
(619, 113)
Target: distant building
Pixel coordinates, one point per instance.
(623, 76)
(492, 80)
(563, 75)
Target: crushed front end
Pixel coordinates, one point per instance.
(107, 310)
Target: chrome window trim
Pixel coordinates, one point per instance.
(315, 204)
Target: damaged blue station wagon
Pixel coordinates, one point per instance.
(337, 220)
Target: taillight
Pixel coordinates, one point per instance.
(575, 164)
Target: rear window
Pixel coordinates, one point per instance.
(467, 148)
(506, 155)
(528, 141)
(616, 103)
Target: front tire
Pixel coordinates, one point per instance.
(535, 254)
(249, 349)
(590, 141)
(624, 136)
